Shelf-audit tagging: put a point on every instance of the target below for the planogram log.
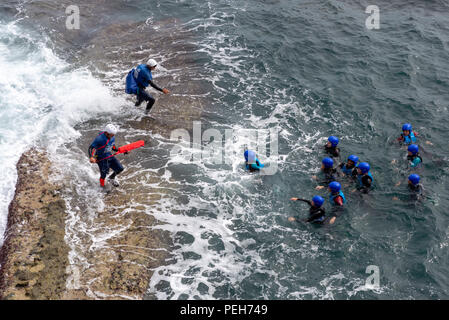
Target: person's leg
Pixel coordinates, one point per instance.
(115, 165)
(144, 96)
(104, 169)
(150, 103)
(140, 96)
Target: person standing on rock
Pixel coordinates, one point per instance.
(138, 79)
(100, 152)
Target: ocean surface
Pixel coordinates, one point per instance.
(294, 72)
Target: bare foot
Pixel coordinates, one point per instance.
(319, 187)
(395, 198)
(291, 219)
(332, 220)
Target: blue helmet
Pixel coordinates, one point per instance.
(413, 148)
(353, 158)
(328, 162)
(414, 178)
(251, 155)
(335, 186)
(407, 127)
(333, 140)
(318, 201)
(364, 167)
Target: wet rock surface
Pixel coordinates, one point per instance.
(34, 255)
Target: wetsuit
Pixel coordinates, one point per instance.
(316, 214)
(254, 166)
(365, 181)
(333, 151)
(329, 176)
(416, 191)
(415, 160)
(143, 78)
(103, 153)
(349, 171)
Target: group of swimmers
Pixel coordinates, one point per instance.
(352, 168)
(139, 78)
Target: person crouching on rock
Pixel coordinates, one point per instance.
(138, 79)
(100, 152)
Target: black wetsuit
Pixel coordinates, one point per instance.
(416, 191)
(333, 151)
(329, 176)
(365, 185)
(316, 214)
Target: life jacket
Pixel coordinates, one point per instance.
(333, 196)
(359, 178)
(347, 170)
(413, 157)
(105, 149)
(410, 138)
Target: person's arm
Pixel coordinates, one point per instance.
(155, 86)
(92, 152)
(304, 200)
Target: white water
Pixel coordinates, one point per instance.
(41, 100)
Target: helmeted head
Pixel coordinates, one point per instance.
(250, 156)
(111, 129)
(413, 179)
(317, 201)
(333, 140)
(334, 186)
(152, 63)
(407, 128)
(413, 149)
(354, 159)
(328, 163)
(363, 168)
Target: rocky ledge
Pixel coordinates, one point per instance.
(33, 257)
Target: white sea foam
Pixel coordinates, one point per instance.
(41, 100)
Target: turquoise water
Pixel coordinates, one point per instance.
(308, 69)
